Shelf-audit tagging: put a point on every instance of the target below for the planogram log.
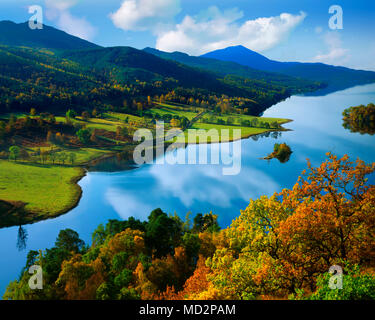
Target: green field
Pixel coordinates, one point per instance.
(47, 191)
(85, 155)
(245, 132)
(174, 111)
(120, 117)
(238, 117)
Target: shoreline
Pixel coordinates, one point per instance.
(28, 217)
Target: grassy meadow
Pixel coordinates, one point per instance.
(46, 191)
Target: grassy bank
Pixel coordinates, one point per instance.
(45, 191)
(44, 185)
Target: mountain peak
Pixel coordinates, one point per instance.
(241, 55)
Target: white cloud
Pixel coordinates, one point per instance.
(58, 10)
(214, 29)
(143, 14)
(337, 55)
(127, 205)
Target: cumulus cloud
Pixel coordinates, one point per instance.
(214, 29)
(59, 11)
(336, 54)
(143, 14)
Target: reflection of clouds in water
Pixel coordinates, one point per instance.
(128, 205)
(318, 121)
(207, 184)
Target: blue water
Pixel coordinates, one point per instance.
(317, 128)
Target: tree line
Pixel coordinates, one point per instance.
(280, 247)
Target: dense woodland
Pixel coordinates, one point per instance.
(122, 79)
(279, 247)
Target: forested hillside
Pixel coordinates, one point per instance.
(224, 68)
(105, 78)
(280, 247)
(19, 34)
(53, 71)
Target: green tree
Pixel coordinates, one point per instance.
(62, 157)
(68, 240)
(71, 114)
(83, 135)
(72, 157)
(14, 152)
(356, 285)
(161, 230)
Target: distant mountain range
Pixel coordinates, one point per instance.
(225, 68)
(335, 77)
(54, 70)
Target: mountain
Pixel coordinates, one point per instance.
(19, 34)
(335, 77)
(225, 68)
(246, 57)
(129, 64)
(53, 71)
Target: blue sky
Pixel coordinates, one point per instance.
(287, 30)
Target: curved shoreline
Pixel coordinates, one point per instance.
(28, 217)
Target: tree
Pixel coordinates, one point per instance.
(360, 119)
(68, 240)
(83, 135)
(62, 157)
(280, 244)
(160, 232)
(207, 222)
(72, 157)
(14, 152)
(71, 114)
(50, 136)
(357, 285)
(52, 156)
(85, 115)
(43, 156)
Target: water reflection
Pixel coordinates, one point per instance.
(21, 238)
(317, 128)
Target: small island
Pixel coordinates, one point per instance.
(281, 152)
(360, 119)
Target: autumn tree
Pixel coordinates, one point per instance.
(282, 243)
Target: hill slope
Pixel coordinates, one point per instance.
(334, 77)
(128, 64)
(225, 68)
(19, 34)
(54, 71)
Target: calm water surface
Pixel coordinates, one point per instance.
(317, 128)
